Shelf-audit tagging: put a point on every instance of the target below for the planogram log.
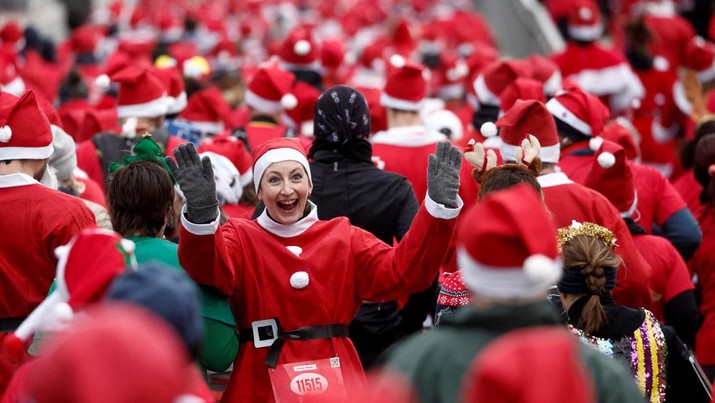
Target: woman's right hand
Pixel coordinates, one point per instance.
(195, 177)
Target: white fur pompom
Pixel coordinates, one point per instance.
(595, 143)
(606, 160)
(299, 280)
(488, 129)
(541, 270)
(102, 82)
(62, 313)
(5, 134)
(289, 101)
(397, 61)
(302, 47)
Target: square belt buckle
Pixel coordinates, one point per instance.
(265, 332)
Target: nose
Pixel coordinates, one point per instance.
(286, 189)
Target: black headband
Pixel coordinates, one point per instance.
(574, 282)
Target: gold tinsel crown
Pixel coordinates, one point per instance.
(576, 228)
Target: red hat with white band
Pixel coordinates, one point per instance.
(524, 118)
(25, 132)
(277, 150)
(512, 253)
(406, 85)
(582, 115)
(269, 90)
(584, 22)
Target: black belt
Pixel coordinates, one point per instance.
(10, 324)
(302, 333)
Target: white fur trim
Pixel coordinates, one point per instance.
(547, 154)
(302, 47)
(680, 99)
(299, 280)
(39, 318)
(707, 74)
(451, 91)
(586, 33)
(507, 282)
(262, 104)
(407, 136)
(396, 103)
(178, 104)
(437, 210)
(289, 230)
(277, 155)
(15, 87)
(605, 81)
(606, 160)
(200, 229)
(553, 179)
(553, 84)
(488, 129)
(16, 180)
(152, 109)
(29, 153)
(5, 134)
(632, 209)
(558, 110)
(595, 143)
(660, 133)
(542, 270)
(484, 95)
(493, 142)
(313, 66)
(246, 177)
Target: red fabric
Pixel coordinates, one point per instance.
(671, 35)
(39, 219)
(670, 274)
(29, 125)
(92, 191)
(576, 202)
(689, 189)
(260, 132)
(88, 161)
(241, 259)
(657, 198)
(703, 264)
(72, 114)
(238, 211)
(614, 182)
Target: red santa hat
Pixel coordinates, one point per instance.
(141, 93)
(299, 51)
(85, 268)
(176, 91)
(530, 366)
(403, 41)
(230, 147)
(490, 83)
(621, 131)
(611, 175)
(700, 57)
(11, 32)
(24, 129)
(584, 21)
(512, 253)
(10, 80)
(301, 117)
(110, 355)
(405, 87)
(453, 73)
(332, 53)
(524, 89)
(269, 90)
(546, 71)
(524, 118)
(97, 121)
(579, 115)
(277, 150)
(206, 109)
(84, 39)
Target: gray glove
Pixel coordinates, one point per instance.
(196, 179)
(443, 174)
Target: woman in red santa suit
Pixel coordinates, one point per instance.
(295, 282)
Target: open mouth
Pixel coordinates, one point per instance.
(288, 206)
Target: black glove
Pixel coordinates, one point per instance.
(443, 174)
(195, 177)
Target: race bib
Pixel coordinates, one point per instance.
(307, 380)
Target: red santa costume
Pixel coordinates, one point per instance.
(39, 218)
(142, 94)
(569, 201)
(280, 277)
(405, 149)
(611, 175)
(600, 71)
(268, 93)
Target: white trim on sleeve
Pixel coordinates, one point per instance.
(200, 229)
(437, 210)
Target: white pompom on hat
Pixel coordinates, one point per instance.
(269, 90)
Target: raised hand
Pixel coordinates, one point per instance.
(443, 174)
(195, 177)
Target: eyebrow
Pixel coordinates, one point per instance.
(298, 169)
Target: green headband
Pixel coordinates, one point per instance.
(145, 150)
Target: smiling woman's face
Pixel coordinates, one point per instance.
(284, 189)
